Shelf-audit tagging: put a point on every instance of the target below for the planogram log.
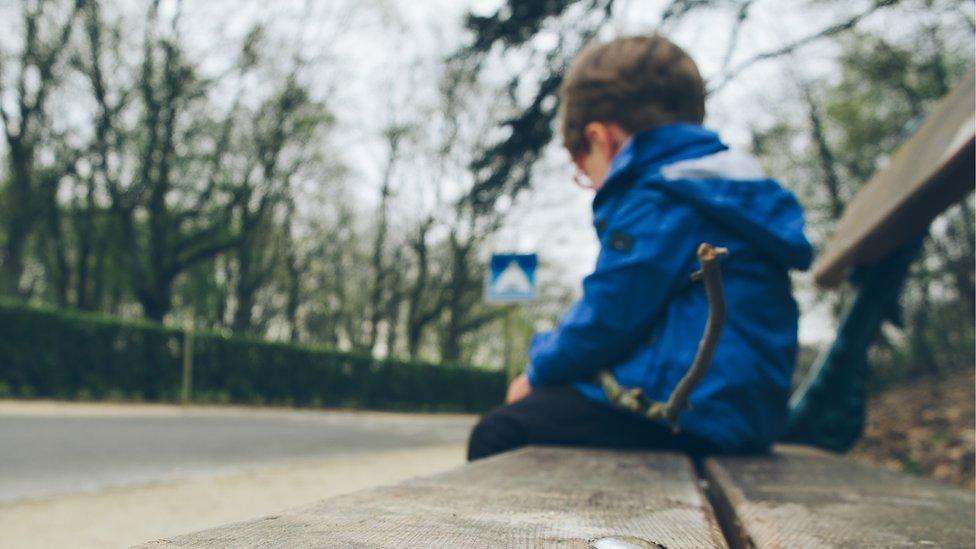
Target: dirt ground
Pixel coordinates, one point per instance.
(127, 516)
(926, 427)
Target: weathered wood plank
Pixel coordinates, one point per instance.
(932, 170)
(800, 497)
(536, 497)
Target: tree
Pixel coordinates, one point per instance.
(504, 167)
(847, 127)
(423, 305)
(384, 275)
(152, 144)
(276, 148)
(885, 89)
(31, 183)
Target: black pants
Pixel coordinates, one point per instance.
(561, 416)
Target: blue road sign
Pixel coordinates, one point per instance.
(511, 278)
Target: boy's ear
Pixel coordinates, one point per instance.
(598, 135)
(606, 137)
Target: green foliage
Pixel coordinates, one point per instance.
(884, 93)
(60, 354)
(514, 23)
(504, 167)
(884, 90)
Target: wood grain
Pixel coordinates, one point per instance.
(535, 497)
(932, 170)
(799, 497)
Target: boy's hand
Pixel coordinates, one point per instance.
(518, 389)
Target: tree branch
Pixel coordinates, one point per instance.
(806, 40)
(634, 399)
(740, 20)
(207, 251)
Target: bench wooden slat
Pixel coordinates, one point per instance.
(529, 498)
(800, 497)
(932, 170)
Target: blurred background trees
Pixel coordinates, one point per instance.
(852, 124)
(143, 175)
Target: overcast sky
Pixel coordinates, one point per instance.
(371, 57)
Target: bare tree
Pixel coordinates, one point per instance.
(25, 127)
(167, 222)
(424, 303)
(381, 269)
(282, 131)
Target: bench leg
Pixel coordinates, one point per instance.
(828, 408)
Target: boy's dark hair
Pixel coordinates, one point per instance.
(637, 82)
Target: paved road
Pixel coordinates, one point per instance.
(51, 453)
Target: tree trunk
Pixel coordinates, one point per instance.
(393, 300)
(294, 282)
(420, 313)
(451, 336)
(825, 156)
(85, 228)
(20, 214)
(244, 289)
(157, 304)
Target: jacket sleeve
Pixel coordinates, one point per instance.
(645, 254)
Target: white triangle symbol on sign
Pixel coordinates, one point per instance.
(513, 280)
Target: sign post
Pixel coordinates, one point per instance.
(511, 280)
(510, 361)
(187, 385)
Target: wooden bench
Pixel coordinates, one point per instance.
(530, 497)
(792, 497)
(877, 237)
(567, 497)
(801, 497)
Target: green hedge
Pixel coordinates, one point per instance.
(72, 355)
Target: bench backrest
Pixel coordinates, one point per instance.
(928, 173)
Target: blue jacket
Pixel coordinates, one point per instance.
(669, 189)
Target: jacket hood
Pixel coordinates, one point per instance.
(692, 165)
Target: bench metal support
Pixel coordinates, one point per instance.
(828, 409)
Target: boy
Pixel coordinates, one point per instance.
(631, 119)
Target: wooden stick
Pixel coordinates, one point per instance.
(634, 400)
(711, 276)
